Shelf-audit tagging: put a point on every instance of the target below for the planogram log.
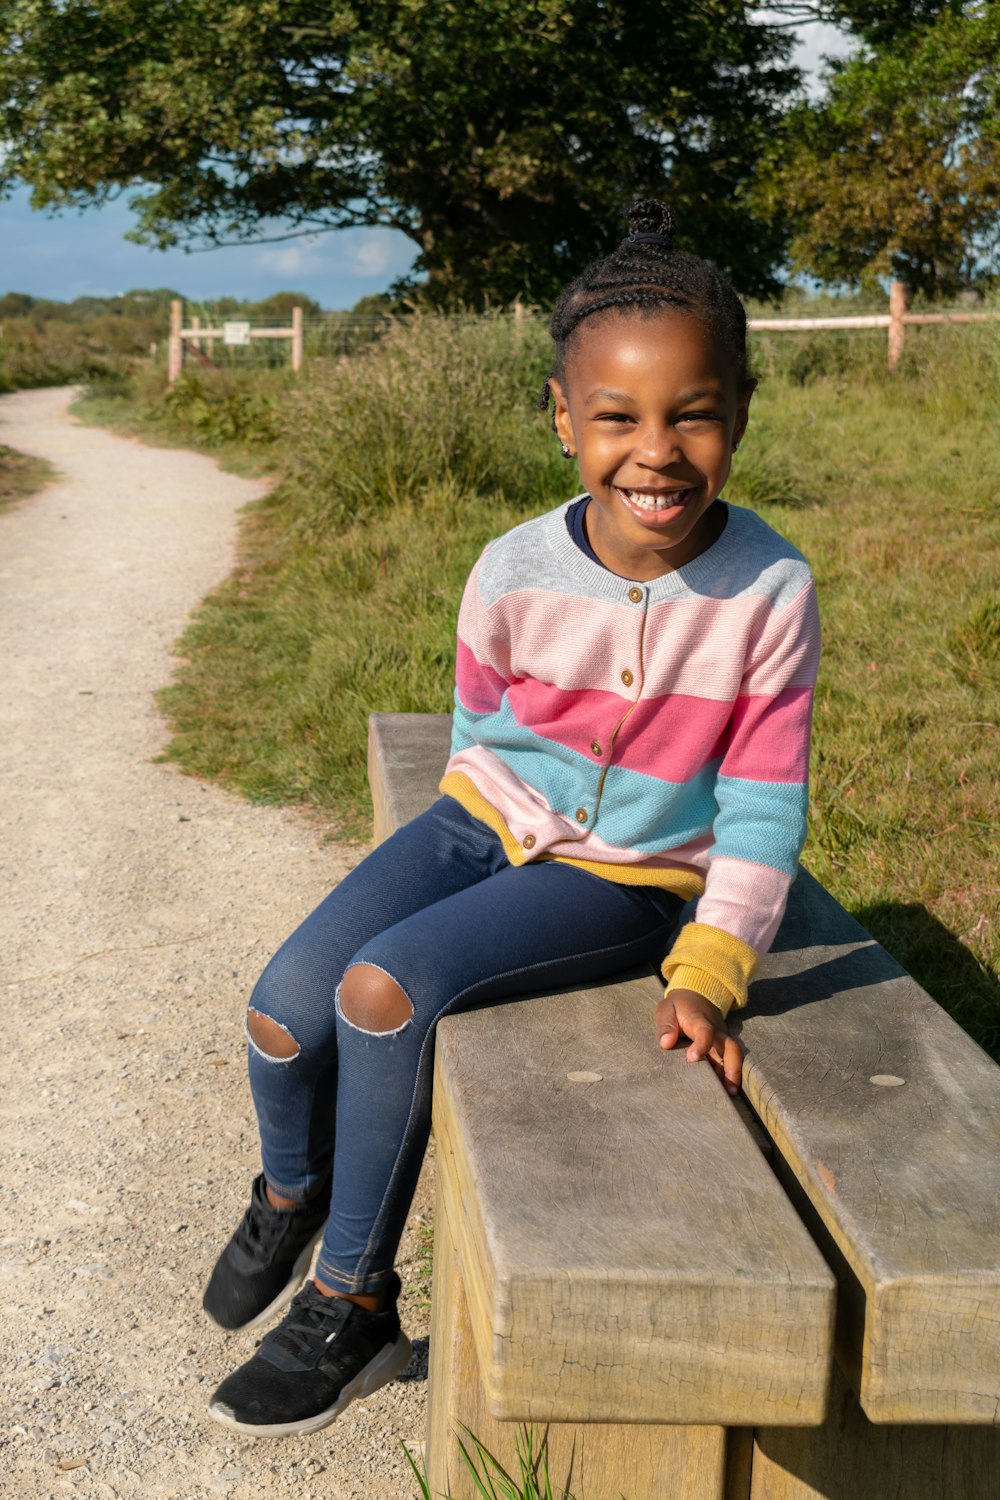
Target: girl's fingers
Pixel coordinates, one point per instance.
(703, 1039)
(706, 1039)
(667, 1025)
(732, 1064)
(726, 1056)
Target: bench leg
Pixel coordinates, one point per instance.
(592, 1461)
(850, 1458)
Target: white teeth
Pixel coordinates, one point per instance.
(654, 502)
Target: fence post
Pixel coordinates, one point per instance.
(899, 302)
(296, 338)
(175, 358)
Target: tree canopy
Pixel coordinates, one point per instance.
(896, 172)
(505, 138)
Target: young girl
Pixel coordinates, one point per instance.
(634, 685)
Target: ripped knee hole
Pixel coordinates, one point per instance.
(270, 1037)
(372, 1000)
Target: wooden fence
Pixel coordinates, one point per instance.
(200, 342)
(896, 321)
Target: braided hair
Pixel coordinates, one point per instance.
(647, 275)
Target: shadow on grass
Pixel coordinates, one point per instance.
(941, 964)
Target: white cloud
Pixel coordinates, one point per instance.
(361, 253)
(286, 262)
(814, 42)
(372, 255)
(303, 257)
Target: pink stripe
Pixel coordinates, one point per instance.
(576, 720)
(769, 737)
(744, 899)
(785, 648)
(672, 738)
(587, 643)
(480, 689)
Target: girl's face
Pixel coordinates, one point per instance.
(651, 407)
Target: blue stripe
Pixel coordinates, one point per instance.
(651, 816)
(761, 822)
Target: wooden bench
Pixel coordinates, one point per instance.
(619, 1262)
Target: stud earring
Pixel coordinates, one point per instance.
(736, 445)
(565, 452)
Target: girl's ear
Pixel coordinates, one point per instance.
(561, 424)
(743, 411)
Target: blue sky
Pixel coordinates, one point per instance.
(84, 254)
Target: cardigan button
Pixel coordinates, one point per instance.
(627, 677)
(529, 841)
(595, 748)
(581, 815)
(635, 595)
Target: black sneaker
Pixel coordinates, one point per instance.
(265, 1262)
(324, 1354)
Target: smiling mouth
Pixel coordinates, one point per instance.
(657, 500)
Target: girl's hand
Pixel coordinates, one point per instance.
(686, 1013)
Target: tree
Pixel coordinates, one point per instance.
(505, 137)
(875, 21)
(278, 307)
(896, 172)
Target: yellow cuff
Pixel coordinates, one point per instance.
(690, 977)
(711, 962)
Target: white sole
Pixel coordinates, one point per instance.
(387, 1364)
(300, 1273)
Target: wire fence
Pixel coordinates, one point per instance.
(227, 344)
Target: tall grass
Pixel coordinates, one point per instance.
(59, 354)
(403, 461)
(436, 403)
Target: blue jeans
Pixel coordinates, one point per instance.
(438, 908)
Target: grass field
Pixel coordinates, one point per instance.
(401, 462)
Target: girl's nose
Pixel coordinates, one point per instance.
(657, 446)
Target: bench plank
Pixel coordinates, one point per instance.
(918, 1308)
(648, 1462)
(904, 1179)
(406, 759)
(692, 1295)
(850, 1458)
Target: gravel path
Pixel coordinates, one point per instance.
(136, 908)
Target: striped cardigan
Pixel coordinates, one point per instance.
(653, 733)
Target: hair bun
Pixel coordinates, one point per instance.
(649, 219)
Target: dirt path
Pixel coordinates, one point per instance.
(136, 908)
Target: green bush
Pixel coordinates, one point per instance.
(217, 410)
(57, 354)
(434, 402)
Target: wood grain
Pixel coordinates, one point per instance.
(406, 760)
(628, 1254)
(850, 1458)
(901, 1184)
(592, 1461)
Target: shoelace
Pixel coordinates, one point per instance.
(312, 1319)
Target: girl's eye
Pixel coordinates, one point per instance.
(699, 416)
